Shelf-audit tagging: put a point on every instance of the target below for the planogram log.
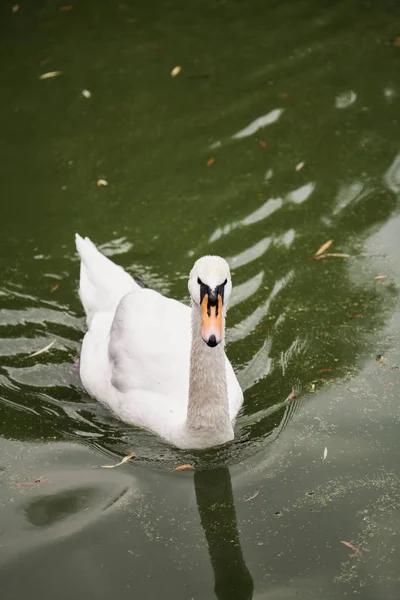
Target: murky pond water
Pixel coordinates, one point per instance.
(281, 132)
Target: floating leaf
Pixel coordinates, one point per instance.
(380, 277)
(333, 254)
(323, 247)
(326, 369)
(175, 71)
(86, 94)
(50, 74)
(184, 468)
(15, 8)
(253, 496)
(397, 42)
(123, 461)
(42, 350)
(262, 143)
(210, 162)
(102, 183)
(352, 547)
(325, 453)
(66, 8)
(54, 288)
(298, 168)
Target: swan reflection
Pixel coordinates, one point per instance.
(232, 578)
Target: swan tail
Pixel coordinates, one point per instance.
(102, 283)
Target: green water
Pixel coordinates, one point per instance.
(297, 103)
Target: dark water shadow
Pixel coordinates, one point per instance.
(232, 578)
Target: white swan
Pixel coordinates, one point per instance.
(155, 362)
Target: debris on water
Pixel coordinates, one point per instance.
(54, 287)
(102, 183)
(175, 71)
(15, 8)
(333, 254)
(397, 42)
(313, 387)
(123, 461)
(262, 143)
(210, 162)
(31, 483)
(356, 315)
(186, 467)
(325, 453)
(298, 168)
(352, 547)
(380, 359)
(42, 350)
(326, 369)
(253, 396)
(50, 74)
(66, 8)
(252, 497)
(292, 397)
(86, 94)
(389, 385)
(380, 277)
(324, 247)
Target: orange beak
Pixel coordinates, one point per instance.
(211, 322)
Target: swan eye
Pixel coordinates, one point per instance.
(199, 281)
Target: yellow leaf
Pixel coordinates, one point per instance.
(184, 468)
(42, 350)
(50, 74)
(175, 71)
(323, 247)
(124, 460)
(333, 254)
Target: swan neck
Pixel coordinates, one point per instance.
(208, 408)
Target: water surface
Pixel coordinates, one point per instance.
(280, 132)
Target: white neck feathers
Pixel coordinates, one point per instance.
(208, 408)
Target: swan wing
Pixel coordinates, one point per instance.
(149, 345)
(102, 282)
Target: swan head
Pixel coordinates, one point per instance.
(210, 286)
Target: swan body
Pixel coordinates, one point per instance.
(155, 362)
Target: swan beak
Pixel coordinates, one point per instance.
(211, 321)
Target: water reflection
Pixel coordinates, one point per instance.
(272, 117)
(392, 175)
(345, 99)
(232, 578)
